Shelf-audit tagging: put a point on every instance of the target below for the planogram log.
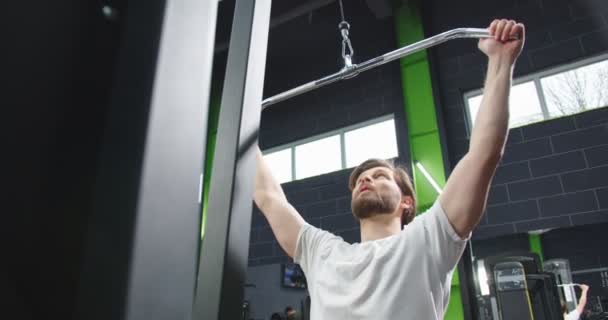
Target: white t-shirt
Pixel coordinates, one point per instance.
(403, 276)
(573, 315)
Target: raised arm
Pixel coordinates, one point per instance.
(283, 218)
(583, 299)
(466, 191)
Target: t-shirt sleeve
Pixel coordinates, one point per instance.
(445, 244)
(312, 245)
(573, 315)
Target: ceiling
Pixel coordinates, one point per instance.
(284, 11)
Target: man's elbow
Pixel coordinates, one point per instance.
(265, 199)
(261, 199)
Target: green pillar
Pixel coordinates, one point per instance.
(423, 130)
(535, 245)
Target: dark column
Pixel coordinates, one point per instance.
(223, 262)
(144, 230)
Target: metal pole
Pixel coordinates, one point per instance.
(225, 246)
(349, 72)
(569, 285)
(144, 230)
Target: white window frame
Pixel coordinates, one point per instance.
(536, 78)
(340, 132)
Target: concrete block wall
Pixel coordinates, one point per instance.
(554, 173)
(484, 248)
(266, 295)
(584, 246)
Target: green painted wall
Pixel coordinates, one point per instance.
(213, 119)
(423, 130)
(535, 245)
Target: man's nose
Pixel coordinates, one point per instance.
(365, 178)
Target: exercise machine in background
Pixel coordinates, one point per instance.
(517, 285)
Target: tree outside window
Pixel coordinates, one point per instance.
(577, 90)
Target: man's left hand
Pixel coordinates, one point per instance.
(507, 40)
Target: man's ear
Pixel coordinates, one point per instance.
(407, 202)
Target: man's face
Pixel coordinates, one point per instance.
(291, 314)
(376, 192)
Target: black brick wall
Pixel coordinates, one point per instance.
(305, 49)
(308, 48)
(500, 245)
(554, 173)
(583, 246)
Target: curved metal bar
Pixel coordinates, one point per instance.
(355, 69)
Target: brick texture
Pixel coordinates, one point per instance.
(553, 173)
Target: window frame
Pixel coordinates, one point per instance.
(341, 132)
(536, 79)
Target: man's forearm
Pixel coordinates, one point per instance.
(491, 125)
(283, 218)
(582, 302)
(266, 186)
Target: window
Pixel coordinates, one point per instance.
(336, 150)
(375, 141)
(555, 93)
(318, 157)
(577, 90)
(524, 105)
(280, 164)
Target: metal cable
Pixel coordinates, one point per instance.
(344, 28)
(341, 10)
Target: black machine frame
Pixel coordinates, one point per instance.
(223, 258)
(143, 234)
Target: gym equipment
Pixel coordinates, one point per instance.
(529, 260)
(563, 275)
(143, 236)
(225, 246)
(512, 291)
(351, 70)
(544, 296)
(246, 312)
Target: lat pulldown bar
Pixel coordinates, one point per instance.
(351, 70)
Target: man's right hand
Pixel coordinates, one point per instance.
(584, 287)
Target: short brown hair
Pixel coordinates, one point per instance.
(401, 177)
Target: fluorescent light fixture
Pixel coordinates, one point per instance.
(428, 177)
(539, 231)
(482, 277)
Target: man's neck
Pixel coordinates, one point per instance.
(379, 227)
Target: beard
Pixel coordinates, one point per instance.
(375, 204)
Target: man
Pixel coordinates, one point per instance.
(578, 311)
(290, 313)
(397, 273)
